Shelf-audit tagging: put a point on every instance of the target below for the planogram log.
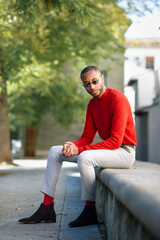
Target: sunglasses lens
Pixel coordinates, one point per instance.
(94, 82)
(89, 84)
(86, 85)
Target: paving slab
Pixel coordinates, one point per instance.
(20, 197)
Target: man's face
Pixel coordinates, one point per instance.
(90, 77)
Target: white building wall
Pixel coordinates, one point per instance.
(146, 90)
(135, 61)
(135, 68)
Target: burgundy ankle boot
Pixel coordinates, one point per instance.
(45, 213)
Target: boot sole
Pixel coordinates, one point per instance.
(44, 221)
(50, 221)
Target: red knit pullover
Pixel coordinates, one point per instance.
(111, 116)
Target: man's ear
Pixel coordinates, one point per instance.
(102, 76)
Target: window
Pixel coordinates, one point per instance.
(150, 62)
(138, 61)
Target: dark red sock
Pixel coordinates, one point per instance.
(90, 203)
(48, 199)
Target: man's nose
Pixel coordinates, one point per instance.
(92, 86)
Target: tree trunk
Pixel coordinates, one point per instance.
(5, 146)
(31, 141)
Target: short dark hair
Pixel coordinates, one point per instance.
(89, 68)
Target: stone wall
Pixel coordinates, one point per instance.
(120, 224)
(127, 201)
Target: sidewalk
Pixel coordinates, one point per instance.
(20, 197)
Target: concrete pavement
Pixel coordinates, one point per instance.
(20, 197)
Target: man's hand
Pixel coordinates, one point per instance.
(69, 149)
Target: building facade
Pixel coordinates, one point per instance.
(142, 87)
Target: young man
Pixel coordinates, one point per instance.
(109, 113)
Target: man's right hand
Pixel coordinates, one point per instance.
(69, 149)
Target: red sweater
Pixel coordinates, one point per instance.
(111, 116)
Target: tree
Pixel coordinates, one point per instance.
(10, 52)
(43, 92)
(53, 32)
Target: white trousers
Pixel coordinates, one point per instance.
(86, 161)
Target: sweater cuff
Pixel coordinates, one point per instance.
(80, 149)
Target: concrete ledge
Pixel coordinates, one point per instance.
(137, 189)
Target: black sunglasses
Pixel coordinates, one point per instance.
(89, 84)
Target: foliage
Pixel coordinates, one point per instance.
(139, 7)
(60, 33)
(39, 38)
(38, 91)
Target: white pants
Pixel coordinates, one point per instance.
(86, 160)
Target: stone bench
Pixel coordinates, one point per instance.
(128, 201)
